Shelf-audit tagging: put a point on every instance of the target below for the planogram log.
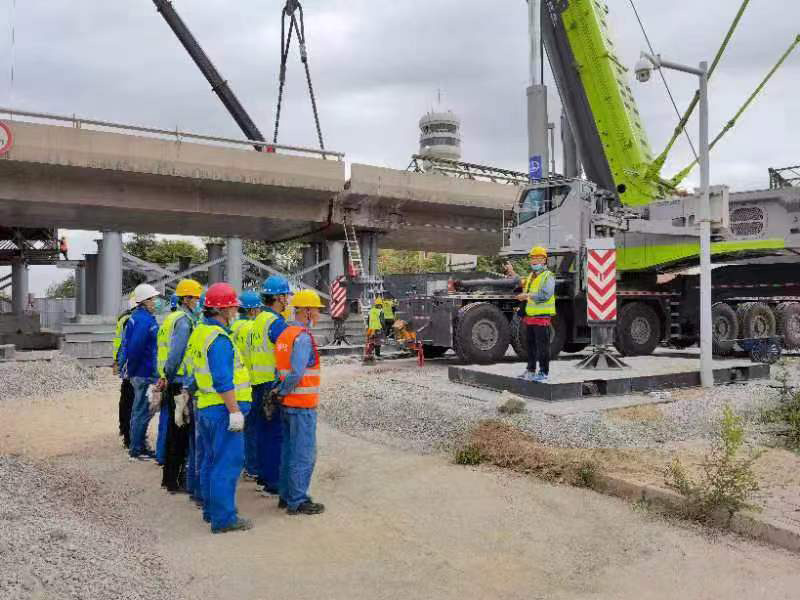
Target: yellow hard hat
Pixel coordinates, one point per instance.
(538, 251)
(379, 301)
(189, 287)
(306, 299)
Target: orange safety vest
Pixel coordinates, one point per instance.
(306, 394)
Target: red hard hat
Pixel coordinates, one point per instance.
(221, 295)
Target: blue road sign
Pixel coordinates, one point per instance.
(536, 167)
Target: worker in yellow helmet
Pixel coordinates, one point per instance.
(538, 294)
(375, 325)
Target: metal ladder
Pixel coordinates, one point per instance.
(353, 249)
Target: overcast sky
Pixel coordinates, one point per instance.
(377, 66)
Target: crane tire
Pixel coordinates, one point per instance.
(756, 320)
(724, 328)
(788, 323)
(638, 330)
(482, 333)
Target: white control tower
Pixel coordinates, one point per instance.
(440, 135)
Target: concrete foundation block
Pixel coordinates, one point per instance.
(7, 352)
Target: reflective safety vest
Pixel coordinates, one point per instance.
(306, 394)
(201, 340)
(261, 349)
(532, 286)
(237, 324)
(240, 335)
(375, 319)
(388, 309)
(164, 341)
(121, 322)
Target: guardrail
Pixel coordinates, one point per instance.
(78, 123)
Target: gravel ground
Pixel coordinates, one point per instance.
(63, 537)
(424, 411)
(46, 378)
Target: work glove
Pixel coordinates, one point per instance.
(271, 403)
(153, 400)
(182, 409)
(236, 421)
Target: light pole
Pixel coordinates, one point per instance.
(646, 63)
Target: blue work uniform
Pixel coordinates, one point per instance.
(137, 360)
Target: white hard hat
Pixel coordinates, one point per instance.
(131, 301)
(144, 291)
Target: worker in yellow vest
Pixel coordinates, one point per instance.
(388, 315)
(538, 294)
(265, 414)
(375, 324)
(298, 368)
(126, 389)
(249, 308)
(173, 338)
(222, 385)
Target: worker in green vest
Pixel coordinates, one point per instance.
(249, 308)
(173, 338)
(222, 384)
(126, 389)
(388, 315)
(375, 324)
(538, 294)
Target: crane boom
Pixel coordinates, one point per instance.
(218, 84)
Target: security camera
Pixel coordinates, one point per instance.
(643, 69)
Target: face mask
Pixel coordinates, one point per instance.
(538, 268)
(158, 305)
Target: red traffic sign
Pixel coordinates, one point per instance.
(6, 138)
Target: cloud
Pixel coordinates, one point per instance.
(377, 66)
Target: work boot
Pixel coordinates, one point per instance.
(540, 377)
(307, 508)
(239, 525)
(526, 375)
(282, 503)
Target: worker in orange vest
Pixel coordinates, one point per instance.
(297, 366)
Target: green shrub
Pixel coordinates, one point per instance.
(469, 455)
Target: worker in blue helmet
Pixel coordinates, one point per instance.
(266, 416)
(173, 302)
(249, 308)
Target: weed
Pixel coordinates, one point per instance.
(727, 482)
(469, 455)
(586, 475)
(787, 412)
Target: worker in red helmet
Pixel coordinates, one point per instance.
(222, 385)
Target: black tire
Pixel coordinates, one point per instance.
(682, 343)
(724, 328)
(519, 338)
(756, 320)
(575, 347)
(638, 330)
(787, 316)
(434, 351)
(483, 333)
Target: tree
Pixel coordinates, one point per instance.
(161, 252)
(284, 256)
(62, 289)
(393, 262)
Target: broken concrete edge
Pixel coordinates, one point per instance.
(745, 523)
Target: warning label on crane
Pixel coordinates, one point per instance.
(601, 280)
(6, 138)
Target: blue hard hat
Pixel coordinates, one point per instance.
(250, 299)
(173, 301)
(275, 285)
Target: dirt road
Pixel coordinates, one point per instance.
(401, 525)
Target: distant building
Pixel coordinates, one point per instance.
(440, 135)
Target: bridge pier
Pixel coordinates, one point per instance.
(90, 280)
(368, 240)
(233, 262)
(110, 274)
(80, 290)
(19, 286)
(215, 272)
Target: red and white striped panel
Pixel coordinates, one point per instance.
(338, 299)
(601, 281)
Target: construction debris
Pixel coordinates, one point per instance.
(45, 378)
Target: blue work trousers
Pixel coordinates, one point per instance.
(298, 454)
(222, 464)
(161, 438)
(140, 415)
(191, 468)
(269, 437)
(196, 455)
(251, 440)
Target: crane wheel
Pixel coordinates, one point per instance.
(724, 328)
(482, 333)
(638, 330)
(756, 320)
(788, 323)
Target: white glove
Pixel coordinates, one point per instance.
(236, 421)
(181, 412)
(153, 400)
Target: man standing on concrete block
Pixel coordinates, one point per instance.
(538, 293)
(298, 367)
(126, 389)
(138, 361)
(266, 413)
(173, 337)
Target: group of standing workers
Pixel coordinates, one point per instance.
(237, 386)
(380, 321)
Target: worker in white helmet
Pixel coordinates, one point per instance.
(137, 361)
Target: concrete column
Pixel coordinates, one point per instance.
(80, 290)
(538, 144)
(90, 280)
(373, 255)
(336, 256)
(365, 246)
(233, 262)
(19, 287)
(215, 272)
(110, 274)
(311, 256)
(572, 163)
